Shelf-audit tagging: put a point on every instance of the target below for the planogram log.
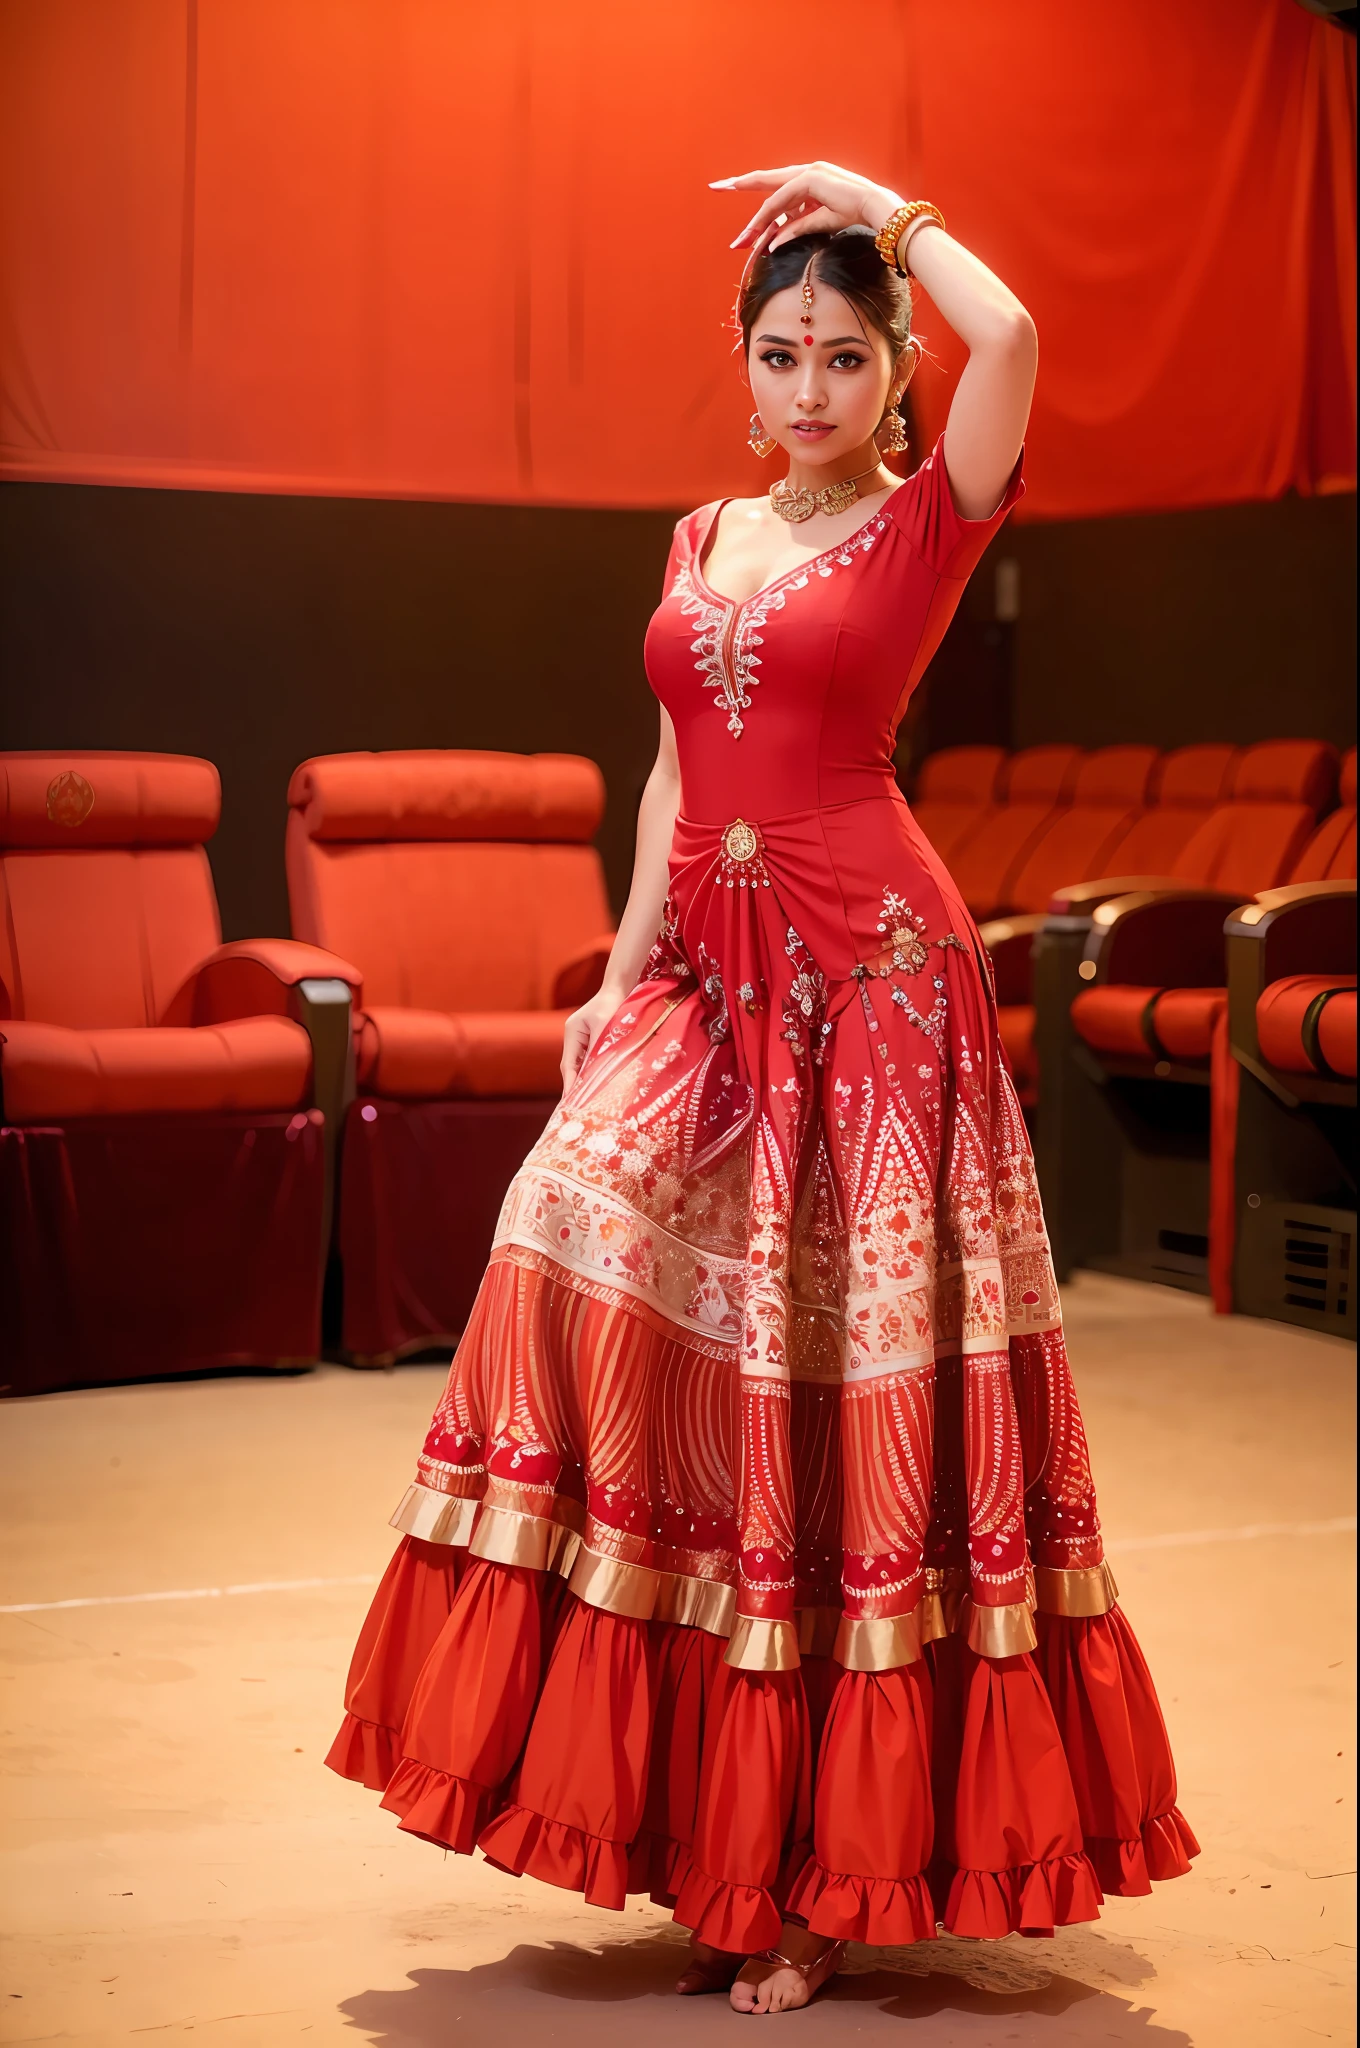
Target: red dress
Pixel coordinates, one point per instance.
(753, 1558)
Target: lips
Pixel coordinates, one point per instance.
(812, 431)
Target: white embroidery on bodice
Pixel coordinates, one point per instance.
(729, 631)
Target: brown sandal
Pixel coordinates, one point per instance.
(822, 1967)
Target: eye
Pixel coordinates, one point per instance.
(846, 360)
(777, 358)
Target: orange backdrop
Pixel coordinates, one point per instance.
(458, 249)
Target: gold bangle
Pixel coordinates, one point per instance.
(896, 225)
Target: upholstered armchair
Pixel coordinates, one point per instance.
(163, 1182)
(466, 887)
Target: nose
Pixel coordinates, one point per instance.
(811, 391)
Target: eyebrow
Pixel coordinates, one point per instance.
(856, 340)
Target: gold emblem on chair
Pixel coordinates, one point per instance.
(739, 842)
(70, 799)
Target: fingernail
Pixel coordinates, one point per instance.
(716, 184)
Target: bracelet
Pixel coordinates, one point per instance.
(896, 225)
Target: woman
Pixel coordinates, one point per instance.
(753, 1559)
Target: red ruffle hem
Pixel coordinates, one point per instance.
(610, 1756)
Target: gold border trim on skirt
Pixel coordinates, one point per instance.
(759, 1645)
(999, 1631)
(642, 1593)
(709, 1604)
(616, 1587)
(883, 1643)
(1076, 1594)
(435, 1517)
(503, 1537)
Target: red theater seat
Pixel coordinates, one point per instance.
(1253, 841)
(1134, 1122)
(52, 1072)
(1329, 855)
(466, 887)
(1336, 1034)
(1282, 1227)
(1244, 846)
(1305, 1024)
(413, 1054)
(161, 1167)
(1107, 831)
(1038, 782)
(1109, 793)
(1188, 785)
(954, 790)
(1161, 1024)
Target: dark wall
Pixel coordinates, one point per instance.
(259, 630)
(1235, 623)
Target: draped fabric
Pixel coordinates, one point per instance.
(398, 247)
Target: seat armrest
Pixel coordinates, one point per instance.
(1306, 928)
(257, 978)
(1170, 936)
(579, 978)
(1010, 946)
(287, 978)
(1079, 899)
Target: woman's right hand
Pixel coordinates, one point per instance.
(582, 1029)
(808, 199)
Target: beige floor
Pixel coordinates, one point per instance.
(180, 1863)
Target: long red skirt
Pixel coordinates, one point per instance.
(753, 1560)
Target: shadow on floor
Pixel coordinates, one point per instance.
(595, 1994)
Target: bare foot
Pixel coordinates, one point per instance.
(708, 1969)
(786, 1978)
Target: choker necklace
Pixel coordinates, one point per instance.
(797, 505)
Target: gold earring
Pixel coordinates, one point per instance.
(894, 428)
(762, 444)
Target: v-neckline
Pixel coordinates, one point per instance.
(740, 603)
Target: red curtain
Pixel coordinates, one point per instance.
(429, 248)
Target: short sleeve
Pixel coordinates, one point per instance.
(683, 542)
(925, 511)
(678, 550)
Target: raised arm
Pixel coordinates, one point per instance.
(990, 411)
(641, 919)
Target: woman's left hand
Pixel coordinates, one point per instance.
(808, 199)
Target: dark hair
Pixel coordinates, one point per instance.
(847, 262)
